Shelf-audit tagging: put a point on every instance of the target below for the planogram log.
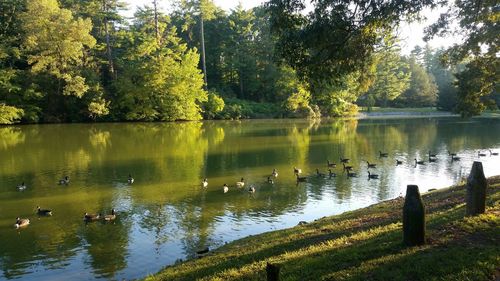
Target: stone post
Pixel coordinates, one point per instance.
(475, 197)
(413, 218)
(273, 272)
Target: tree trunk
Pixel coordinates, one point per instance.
(108, 44)
(413, 218)
(203, 57)
(155, 5)
(475, 197)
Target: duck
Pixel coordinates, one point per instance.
(319, 174)
(399, 162)
(382, 154)
(331, 174)
(347, 168)
(91, 217)
(301, 179)
(479, 153)
(204, 183)
(297, 171)
(432, 155)
(64, 180)
(274, 173)
(22, 186)
(43, 212)
(130, 179)
(372, 176)
(344, 160)
(493, 153)
(419, 162)
(240, 183)
(270, 180)
(451, 154)
(251, 189)
(455, 158)
(225, 188)
(111, 216)
(21, 222)
(371, 165)
(329, 164)
(432, 159)
(351, 174)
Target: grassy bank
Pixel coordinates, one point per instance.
(365, 244)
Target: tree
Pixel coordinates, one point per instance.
(159, 81)
(338, 37)
(55, 44)
(478, 26)
(392, 74)
(422, 90)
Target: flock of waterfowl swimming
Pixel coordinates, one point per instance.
(348, 170)
(23, 222)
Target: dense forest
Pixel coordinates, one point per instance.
(78, 61)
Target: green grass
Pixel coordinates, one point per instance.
(365, 244)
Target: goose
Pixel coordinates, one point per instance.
(432, 159)
(455, 158)
(240, 183)
(297, 171)
(347, 168)
(419, 162)
(22, 186)
(64, 180)
(479, 153)
(204, 183)
(21, 222)
(432, 155)
(329, 164)
(372, 176)
(319, 174)
(225, 188)
(399, 162)
(111, 216)
(371, 165)
(251, 189)
(382, 154)
(351, 174)
(451, 154)
(274, 173)
(270, 180)
(493, 153)
(331, 174)
(344, 160)
(43, 212)
(130, 179)
(301, 179)
(91, 217)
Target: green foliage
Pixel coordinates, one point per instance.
(10, 114)
(242, 109)
(213, 106)
(422, 91)
(478, 25)
(392, 76)
(169, 85)
(475, 85)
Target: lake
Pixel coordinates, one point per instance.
(166, 215)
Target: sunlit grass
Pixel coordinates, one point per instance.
(365, 244)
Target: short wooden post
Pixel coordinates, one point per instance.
(413, 218)
(273, 272)
(475, 197)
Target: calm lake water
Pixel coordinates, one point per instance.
(166, 215)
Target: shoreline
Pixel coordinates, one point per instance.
(361, 233)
